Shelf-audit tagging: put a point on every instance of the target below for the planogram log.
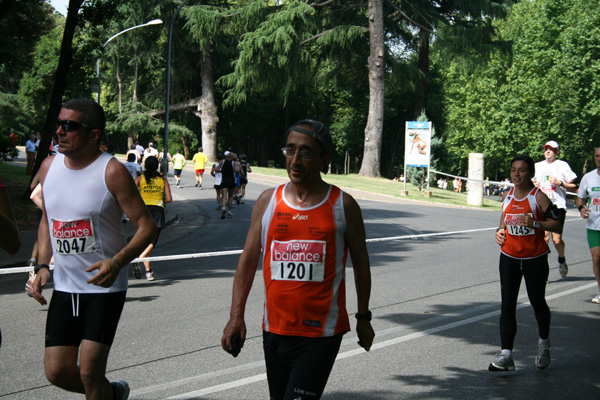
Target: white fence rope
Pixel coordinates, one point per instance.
(15, 270)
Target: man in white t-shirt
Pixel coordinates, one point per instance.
(150, 151)
(588, 203)
(555, 177)
(132, 166)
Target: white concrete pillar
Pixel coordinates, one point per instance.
(475, 194)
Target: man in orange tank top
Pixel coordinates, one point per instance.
(306, 228)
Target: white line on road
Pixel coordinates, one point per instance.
(350, 353)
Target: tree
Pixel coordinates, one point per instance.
(60, 79)
(374, 128)
(546, 90)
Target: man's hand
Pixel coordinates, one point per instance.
(365, 333)
(107, 273)
(585, 212)
(233, 327)
(39, 283)
(500, 236)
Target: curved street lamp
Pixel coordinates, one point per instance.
(153, 22)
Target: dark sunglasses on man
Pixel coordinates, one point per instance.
(69, 125)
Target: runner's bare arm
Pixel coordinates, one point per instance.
(355, 238)
(123, 188)
(44, 245)
(245, 272)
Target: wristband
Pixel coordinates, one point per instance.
(536, 225)
(38, 267)
(561, 183)
(366, 316)
(500, 227)
(580, 207)
(116, 264)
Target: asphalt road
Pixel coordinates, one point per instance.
(435, 303)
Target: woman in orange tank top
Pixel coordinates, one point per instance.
(526, 213)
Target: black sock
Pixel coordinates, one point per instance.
(561, 260)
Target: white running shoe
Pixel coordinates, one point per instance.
(150, 276)
(596, 299)
(543, 358)
(229, 215)
(502, 362)
(563, 269)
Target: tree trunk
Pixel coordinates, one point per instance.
(207, 108)
(135, 82)
(120, 84)
(423, 86)
(374, 128)
(58, 88)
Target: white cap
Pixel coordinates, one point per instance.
(552, 144)
(226, 153)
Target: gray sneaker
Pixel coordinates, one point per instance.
(120, 390)
(502, 363)
(543, 358)
(563, 269)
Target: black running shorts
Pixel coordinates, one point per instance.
(73, 317)
(298, 367)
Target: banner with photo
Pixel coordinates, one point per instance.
(417, 144)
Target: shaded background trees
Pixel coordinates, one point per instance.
(493, 76)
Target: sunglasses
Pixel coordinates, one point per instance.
(69, 125)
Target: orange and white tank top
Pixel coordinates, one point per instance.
(522, 242)
(304, 261)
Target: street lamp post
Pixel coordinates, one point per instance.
(153, 22)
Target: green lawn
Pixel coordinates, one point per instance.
(16, 182)
(391, 188)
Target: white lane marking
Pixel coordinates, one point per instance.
(350, 353)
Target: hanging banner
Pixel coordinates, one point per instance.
(417, 144)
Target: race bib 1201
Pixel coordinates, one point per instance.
(73, 237)
(514, 226)
(298, 260)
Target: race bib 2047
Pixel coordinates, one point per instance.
(73, 237)
(298, 260)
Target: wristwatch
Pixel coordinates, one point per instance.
(38, 267)
(536, 224)
(366, 316)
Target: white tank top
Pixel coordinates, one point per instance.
(84, 220)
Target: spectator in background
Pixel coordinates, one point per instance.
(30, 150)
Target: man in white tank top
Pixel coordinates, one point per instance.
(85, 193)
(555, 177)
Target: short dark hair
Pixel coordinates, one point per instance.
(200, 149)
(92, 113)
(131, 157)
